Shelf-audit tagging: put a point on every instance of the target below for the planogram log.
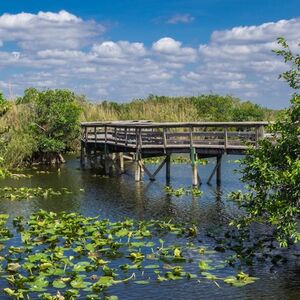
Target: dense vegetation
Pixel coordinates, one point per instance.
(178, 109)
(273, 171)
(42, 125)
(39, 127)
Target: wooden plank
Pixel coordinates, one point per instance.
(176, 124)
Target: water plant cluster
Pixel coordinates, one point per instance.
(175, 160)
(67, 255)
(194, 191)
(21, 193)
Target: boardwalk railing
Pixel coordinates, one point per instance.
(150, 135)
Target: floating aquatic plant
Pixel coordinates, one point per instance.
(183, 191)
(20, 193)
(66, 255)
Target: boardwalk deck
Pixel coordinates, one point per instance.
(150, 139)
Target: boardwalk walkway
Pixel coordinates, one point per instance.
(109, 141)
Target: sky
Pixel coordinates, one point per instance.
(126, 49)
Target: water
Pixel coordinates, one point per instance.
(120, 197)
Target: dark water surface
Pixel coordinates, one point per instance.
(119, 197)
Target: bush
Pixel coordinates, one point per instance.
(273, 171)
(56, 118)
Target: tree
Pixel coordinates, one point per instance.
(55, 122)
(272, 172)
(248, 111)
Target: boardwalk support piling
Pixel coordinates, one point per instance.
(219, 165)
(194, 168)
(121, 162)
(138, 168)
(168, 168)
(216, 170)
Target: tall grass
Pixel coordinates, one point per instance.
(178, 109)
(17, 144)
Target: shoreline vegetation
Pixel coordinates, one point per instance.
(42, 125)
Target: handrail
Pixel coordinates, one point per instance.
(147, 134)
(176, 124)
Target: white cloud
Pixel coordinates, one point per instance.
(120, 49)
(172, 50)
(48, 30)
(261, 33)
(61, 50)
(246, 51)
(180, 18)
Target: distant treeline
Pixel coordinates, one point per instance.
(41, 125)
(177, 109)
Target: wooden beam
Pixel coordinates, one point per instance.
(218, 162)
(194, 167)
(168, 168)
(121, 162)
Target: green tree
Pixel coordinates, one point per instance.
(215, 107)
(273, 171)
(248, 111)
(55, 122)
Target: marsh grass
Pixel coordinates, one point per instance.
(18, 143)
(177, 109)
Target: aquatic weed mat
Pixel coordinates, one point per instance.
(69, 256)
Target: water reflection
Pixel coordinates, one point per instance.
(120, 197)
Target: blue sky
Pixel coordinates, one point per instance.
(127, 49)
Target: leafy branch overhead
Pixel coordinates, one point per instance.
(273, 171)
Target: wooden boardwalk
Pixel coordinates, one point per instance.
(108, 142)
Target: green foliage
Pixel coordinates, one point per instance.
(39, 125)
(215, 107)
(248, 111)
(56, 118)
(2, 168)
(20, 147)
(59, 256)
(273, 171)
(178, 109)
(292, 76)
(4, 105)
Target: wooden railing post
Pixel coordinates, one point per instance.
(105, 139)
(126, 140)
(136, 138)
(256, 136)
(191, 137)
(165, 139)
(225, 138)
(140, 138)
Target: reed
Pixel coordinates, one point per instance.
(178, 109)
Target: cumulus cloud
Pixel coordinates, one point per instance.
(119, 49)
(246, 51)
(61, 50)
(172, 50)
(180, 18)
(261, 33)
(48, 30)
